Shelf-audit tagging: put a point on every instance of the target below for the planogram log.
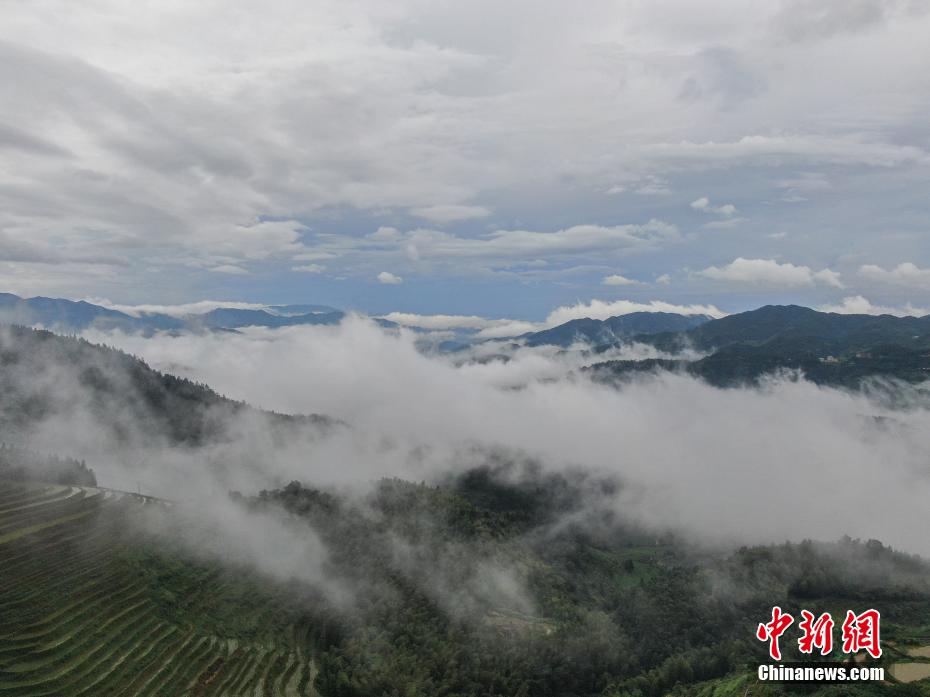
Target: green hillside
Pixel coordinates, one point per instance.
(88, 609)
(92, 606)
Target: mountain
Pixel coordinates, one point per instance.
(792, 327)
(45, 376)
(827, 348)
(233, 318)
(75, 316)
(70, 315)
(596, 331)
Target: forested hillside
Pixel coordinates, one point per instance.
(825, 348)
(94, 604)
(44, 375)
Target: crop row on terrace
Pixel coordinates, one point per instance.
(77, 618)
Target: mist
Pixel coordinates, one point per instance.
(787, 460)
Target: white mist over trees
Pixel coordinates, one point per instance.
(789, 460)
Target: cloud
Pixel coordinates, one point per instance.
(602, 309)
(802, 186)
(486, 328)
(518, 253)
(194, 308)
(450, 213)
(416, 416)
(767, 149)
(409, 319)
(575, 239)
(858, 305)
(703, 204)
(338, 116)
(388, 278)
(772, 273)
(653, 185)
(905, 274)
(799, 20)
(664, 279)
(230, 269)
(618, 280)
(501, 328)
(309, 268)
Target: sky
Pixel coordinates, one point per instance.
(485, 159)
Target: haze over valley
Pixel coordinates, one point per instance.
(486, 349)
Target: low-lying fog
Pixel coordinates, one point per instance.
(788, 461)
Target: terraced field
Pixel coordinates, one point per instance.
(85, 611)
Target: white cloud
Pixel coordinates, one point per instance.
(216, 150)
(413, 416)
(439, 322)
(618, 280)
(575, 239)
(517, 253)
(904, 274)
(182, 310)
(803, 186)
(703, 204)
(724, 224)
(858, 305)
(504, 246)
(664, 279)
(450, 213)
(603, 309)
(309, 268)
(772, 273)
(487, 328)
(230, 269)
(653, 186)
(388, 278)
(502, 329)
(845, 150)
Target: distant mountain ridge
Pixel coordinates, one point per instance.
(793, 327)
(597, 331)
(77, 315)
(827, 348)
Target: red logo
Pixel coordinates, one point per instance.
(860, 632)
(771, 631)
(817, 633)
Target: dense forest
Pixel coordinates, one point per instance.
(603, 608)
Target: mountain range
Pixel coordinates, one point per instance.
(595, 331)
(70, 316)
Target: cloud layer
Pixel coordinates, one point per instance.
(719, 465)
(256, 152)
